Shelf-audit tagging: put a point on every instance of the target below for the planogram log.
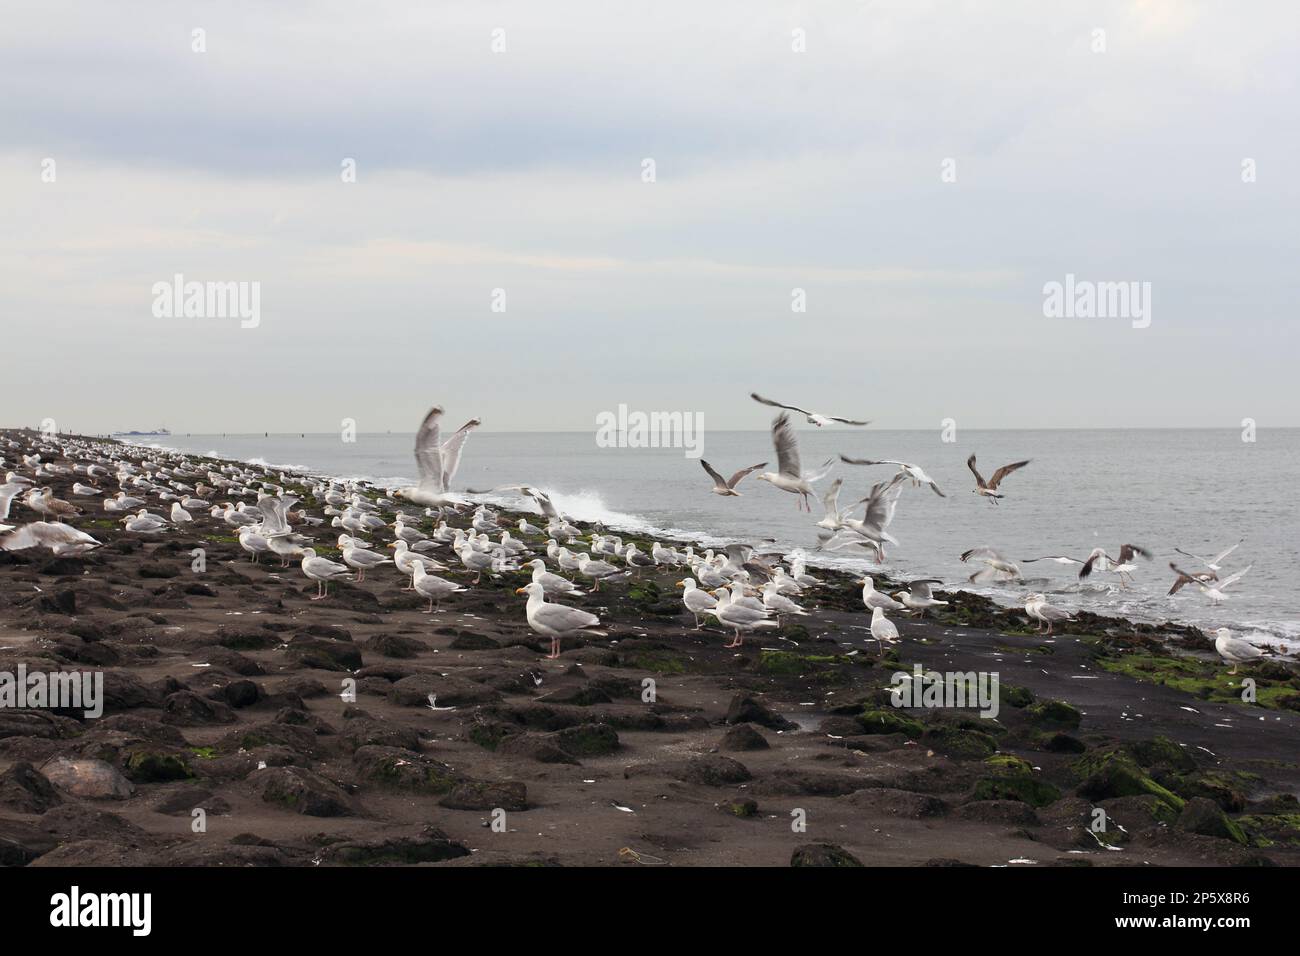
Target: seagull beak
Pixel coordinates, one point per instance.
(391, 544)
(681, 584)
(519, 590)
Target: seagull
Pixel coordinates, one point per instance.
(144, 523)
(789, 475)
(778, 603)
(1124, 567)
(1195, 577)
(596, 570)
(432, 586)
(437, 462)
(1214, 589)
(1214, 563)
(1036, 606)
(872, 598)
(252, 542)
(361, 560)
(726, 487)
(62, 540)
(556, 621)
(880, 502)
(1234, 650)
(989, 489)
(322, 570)
(43, 502)
(738, 617)
(833, 520)
(179, 514)
(552, 584)
(915, 472)
(918, 597)
(883, 629)
(8, 492)
(996, 567)
(698, 601)
(814, 418)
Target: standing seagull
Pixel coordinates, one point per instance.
(789, 475)
(437, 461)
(1234, 649)
(918, 596)
(727, 486)
(883, 629)
(322, 571)
(814, 418)
(1036, 606)
(556, 621)
(915, 472)
(989, 489)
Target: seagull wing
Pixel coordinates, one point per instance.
(1234, 578)
(451, 449)
(786, 445)
(830, 500)
(1219, 557)
(718, 480)
(561, 618)
(846, 421)
(767, 401)
(1004, 471)
(738, 476)
(428, 451)
(979, 479)
(820, 473)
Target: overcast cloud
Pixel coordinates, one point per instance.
(522, 170)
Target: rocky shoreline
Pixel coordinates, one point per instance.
(652, 746)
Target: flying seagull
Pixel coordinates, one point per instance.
(1214, 589)
(437, 461)
(996, 567)
(1214, 563)
(989, 489)
(814, 418)
(790, 475)
(727, 486)
(915, 472)
(1124, 567)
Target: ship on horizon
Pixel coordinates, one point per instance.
(156, 431)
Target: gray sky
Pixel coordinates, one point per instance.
(522, 170)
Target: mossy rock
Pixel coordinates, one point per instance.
(1202, 815)
(1012, 778)
(147, 766)
(1229, 789)
(882, 720)
(744, 809)
(489, 735)
(959, 742)
(1113, 772)
(1272, 829)
(588, 740)
(1013, 696)
(1054, 714)
(1161, 752)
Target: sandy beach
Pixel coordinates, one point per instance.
(229, 691)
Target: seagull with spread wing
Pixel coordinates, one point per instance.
(726, 487)
(437, 461)
(989, 489)
(1214, 590)
(1124, 567)
(1215, 563)
(814, 418)
(915, 472)
(790, 475)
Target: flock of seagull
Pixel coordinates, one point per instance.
(744, 590)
